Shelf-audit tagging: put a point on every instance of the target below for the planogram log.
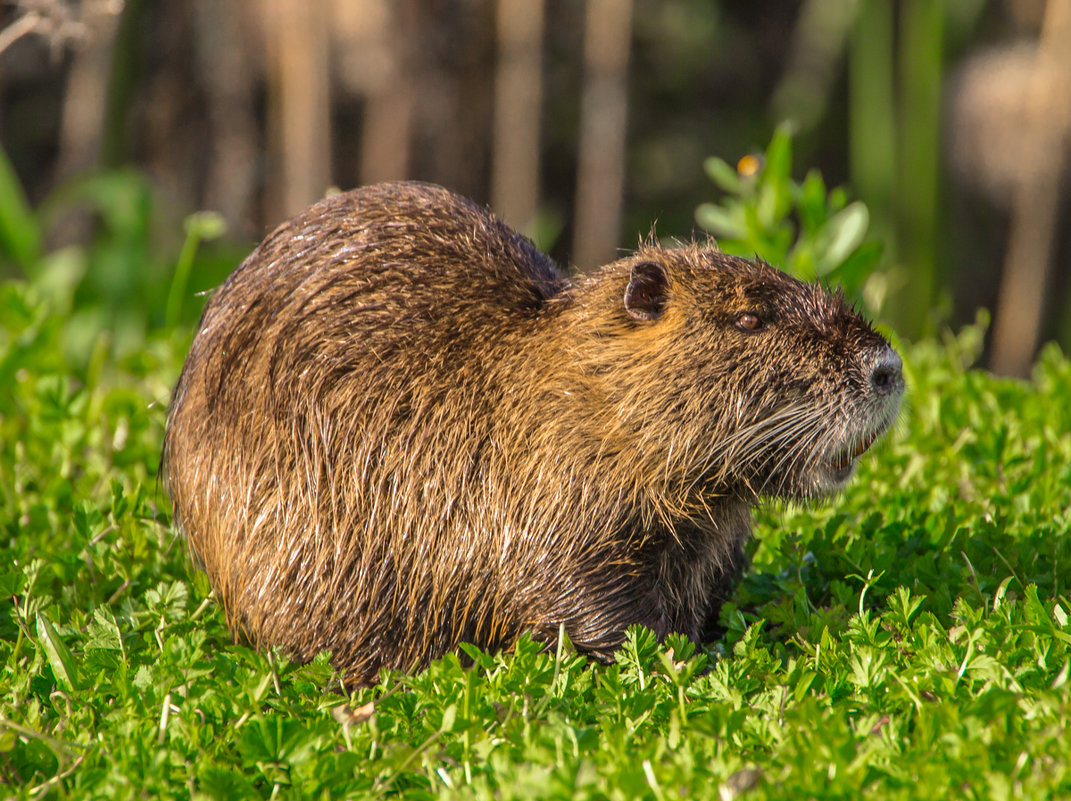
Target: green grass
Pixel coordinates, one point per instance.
(910, 639)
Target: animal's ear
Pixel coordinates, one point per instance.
(645, 297)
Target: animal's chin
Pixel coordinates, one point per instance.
(836, 471)
(830, 473)
(831, 477)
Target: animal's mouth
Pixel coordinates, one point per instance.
(846, 459)
(838, 469)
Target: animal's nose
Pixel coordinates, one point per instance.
(886, 374)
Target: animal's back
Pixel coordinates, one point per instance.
(408, 264)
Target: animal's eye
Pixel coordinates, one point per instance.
(749, 322)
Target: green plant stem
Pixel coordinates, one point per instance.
(182, 276)
(20, 236)
(872, 136)
(920, 57)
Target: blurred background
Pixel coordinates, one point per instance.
(581, 122)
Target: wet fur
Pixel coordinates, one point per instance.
(400, 427)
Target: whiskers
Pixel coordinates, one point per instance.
(791, 439)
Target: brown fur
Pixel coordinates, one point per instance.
(400, 428)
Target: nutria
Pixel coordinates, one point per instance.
(400, 427)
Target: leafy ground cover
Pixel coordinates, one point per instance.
(910, 639)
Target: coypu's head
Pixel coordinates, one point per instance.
(767, 385)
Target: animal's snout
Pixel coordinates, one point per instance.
(886, 372)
